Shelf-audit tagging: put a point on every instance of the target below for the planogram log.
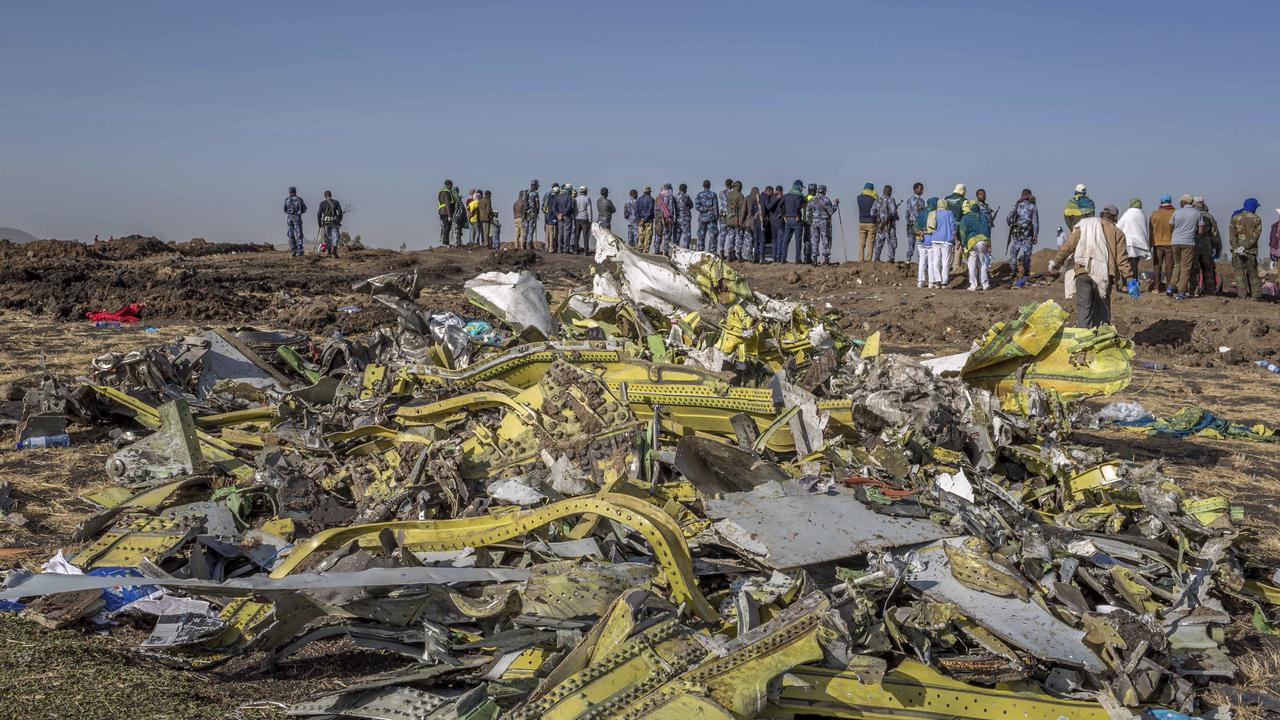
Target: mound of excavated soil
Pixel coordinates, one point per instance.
(199, 247)
(130, 247)
(45, 250)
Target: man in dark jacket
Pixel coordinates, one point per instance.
(294, 208)
(776, 221)
(564, 208)
(770, 205)
(867, 200)
(605, 209)
(329, 217)
(644, 219)
(550, 232)
(792, 206)
(446, 207)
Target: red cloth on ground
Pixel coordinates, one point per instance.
(129, 313)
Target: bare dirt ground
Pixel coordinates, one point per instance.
(46, 287)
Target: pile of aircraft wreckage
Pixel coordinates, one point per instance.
(668, 497)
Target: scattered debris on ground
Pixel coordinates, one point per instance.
(667, 495)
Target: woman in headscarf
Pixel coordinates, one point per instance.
(1133, 223)
(922, 248)
(941, 230)
(975, 234)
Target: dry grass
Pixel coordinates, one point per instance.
(89, 675)
(49, 484)
(67, 349)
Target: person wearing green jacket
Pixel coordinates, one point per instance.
(975, 239)
(1079, 207)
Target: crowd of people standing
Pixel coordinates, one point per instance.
(943, 236)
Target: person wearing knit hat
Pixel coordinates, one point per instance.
(1137, 243)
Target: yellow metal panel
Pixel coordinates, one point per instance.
(913, 690)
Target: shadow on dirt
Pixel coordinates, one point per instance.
(1166, 332)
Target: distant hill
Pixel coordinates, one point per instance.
(16, 235)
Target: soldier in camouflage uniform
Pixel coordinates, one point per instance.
(1244, 233)
(529, 216)
(294, 207)
(708, 207)
(910, 210)
(821, 208)
(1024, 229)
(886, 212)
(684, 217)
(724, 248)
(733, 204)
(806, 226)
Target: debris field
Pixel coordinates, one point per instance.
(667, 496)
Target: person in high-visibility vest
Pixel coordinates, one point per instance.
(445, 208)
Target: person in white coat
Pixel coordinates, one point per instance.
(1133, 223)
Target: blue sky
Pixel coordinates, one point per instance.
(187, 121)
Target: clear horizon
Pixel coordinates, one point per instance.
(161, 120)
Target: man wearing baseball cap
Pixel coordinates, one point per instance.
(1186, 222)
